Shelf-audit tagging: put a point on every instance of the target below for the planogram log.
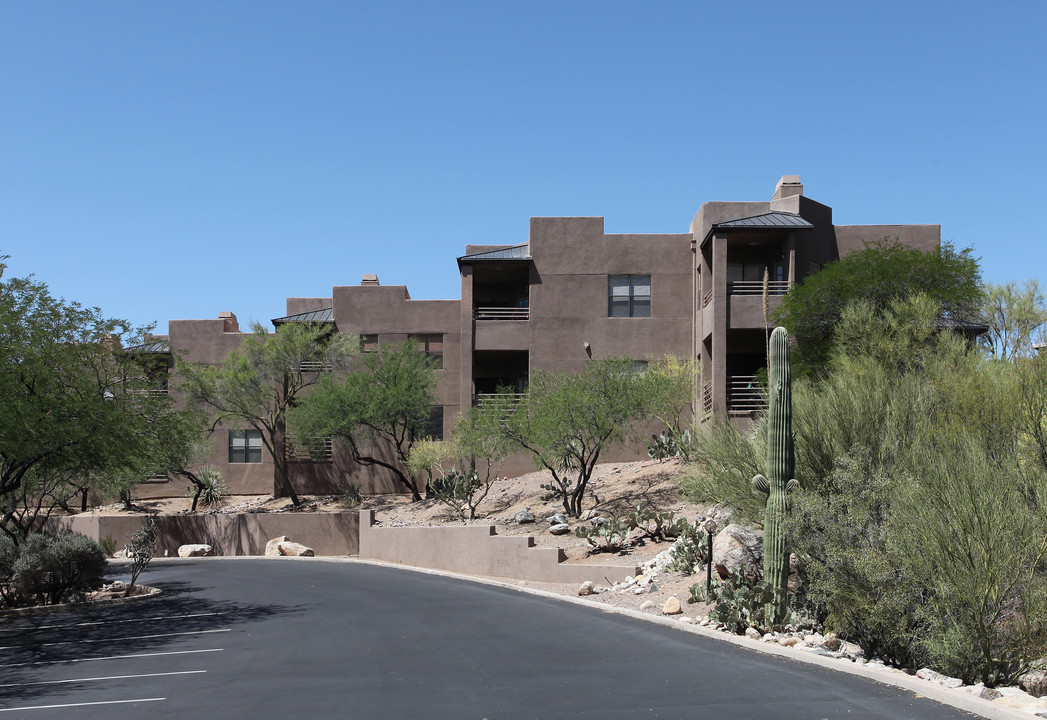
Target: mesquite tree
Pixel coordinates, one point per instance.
(780, 466)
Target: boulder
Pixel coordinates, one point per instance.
(557, 519)
(937, 677)
(560, 529)
(1034, 682)
(284, 546)
(197, 550)
(647, 605)
(752, 633)
(586, 588)
(788, 641)
(672, 606)
(737, 547)
(524, 516)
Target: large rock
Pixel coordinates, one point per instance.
(198, 550)
(560, 529)
(672, 606)
(525, 516)
(284, 546)
(738, 547)
(937, 677)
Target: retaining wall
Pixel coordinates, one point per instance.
(477, 550)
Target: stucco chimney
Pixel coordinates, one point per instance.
(230, 324)
(788, 186)
(370, 279)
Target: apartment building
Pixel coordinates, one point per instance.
(571, 293)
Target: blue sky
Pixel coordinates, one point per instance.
(173, 160)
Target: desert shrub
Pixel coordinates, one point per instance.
(141, 549)
(212, 486)
(54, 568)
(657, 525)
(723, 464)
(608, 536)
(669, 444)
(108, 545)
(350, 492)
(690, 551)
(8, 555)
(741, 601)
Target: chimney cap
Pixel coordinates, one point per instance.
(370, 279)
(788, 186)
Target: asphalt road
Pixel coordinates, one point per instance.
(282, 639)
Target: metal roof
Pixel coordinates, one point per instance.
(773, 220)
(511, 252)
(325, 315)
(965, 327)
(156, 346)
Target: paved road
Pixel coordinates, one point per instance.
(283, 639)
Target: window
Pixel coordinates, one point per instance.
(245, 446)
(629, 296)
(745, 271)
(432, 427)
(431, 345)
(368, 343)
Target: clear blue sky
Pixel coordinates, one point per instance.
(173, 160)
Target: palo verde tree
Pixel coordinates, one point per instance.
(1016, 316)
(77, 409)
(567, 420)
(259, 382)
(880, 273)
(377, 410)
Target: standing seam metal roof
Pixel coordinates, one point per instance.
(516, 252)
(325, 315)
(774, 220)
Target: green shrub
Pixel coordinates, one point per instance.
(690, 551)
(213, 486)
(723, 464)
(741, 602)
(141, 550)
(350, 493)
(108, 545)
(609, 536)
(657, 525)
(8, 555)
(55, 568)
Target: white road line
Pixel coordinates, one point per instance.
(113, 657)
(109, 677)
(128, 620)
(120, 639)
(83, 704)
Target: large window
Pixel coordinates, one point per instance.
(629, 296)
(245, 446)
(431, 345)
(432, 427)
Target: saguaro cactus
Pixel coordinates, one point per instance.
(780, 466)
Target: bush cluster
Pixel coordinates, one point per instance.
(49, 569)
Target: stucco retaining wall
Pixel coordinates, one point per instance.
(242, 534)
(477, 550)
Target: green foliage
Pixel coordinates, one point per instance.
(566, 420)
(1016, 316)
(741, 602)
(667, 445)
(611, 535)
(350, 493)
(108, 544)
(211, 487)
(658, 525)
(723, 463)
(56, 568)
(77, 408)
(375, 410)
(8, 555)
(690, 551)
(260, 381)
(141, 550)
(780, 466)
(670, 385)
(879, 274)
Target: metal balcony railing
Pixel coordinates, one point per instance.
(489, 400)
(501, 313)
(744, 395)
(294, 452)
(755, 287)
(314, 366)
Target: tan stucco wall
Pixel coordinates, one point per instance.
(477, 550)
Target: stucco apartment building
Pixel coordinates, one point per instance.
(570, 293)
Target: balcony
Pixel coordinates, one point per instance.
(755, 287)
(501, 313)
(744, 396)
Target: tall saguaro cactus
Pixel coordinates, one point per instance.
(780, 465)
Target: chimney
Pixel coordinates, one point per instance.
(788, 186)
(230, 324)
(370, 279)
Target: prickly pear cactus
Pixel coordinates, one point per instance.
(780, 465)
